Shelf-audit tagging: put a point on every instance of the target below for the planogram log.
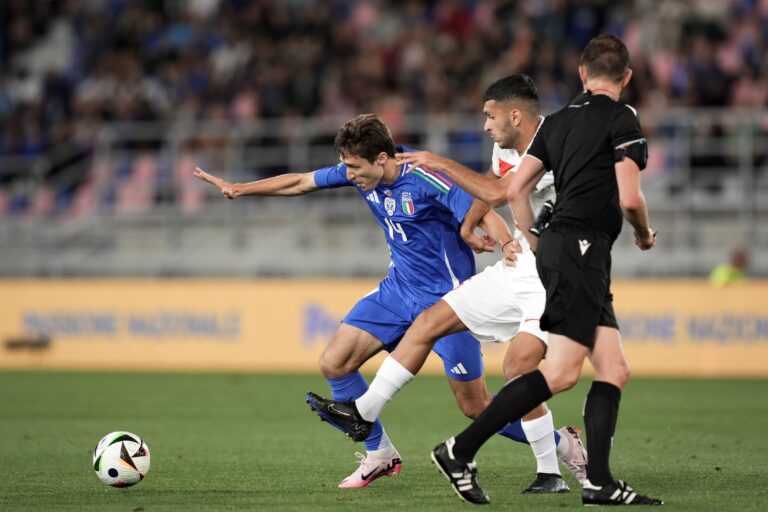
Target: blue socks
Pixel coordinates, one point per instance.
(351, 387)
(514, 431)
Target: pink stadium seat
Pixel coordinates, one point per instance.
(190, 196)
(4, 201)
(44, 201)
(86, 200)
(137, 193)
(657, 159)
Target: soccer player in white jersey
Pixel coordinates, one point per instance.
(502, 303)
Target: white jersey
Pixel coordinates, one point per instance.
(501, 301)
(504, 161)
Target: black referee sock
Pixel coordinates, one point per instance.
(515, 399)
(600, 413)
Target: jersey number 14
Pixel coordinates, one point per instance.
(395, 227)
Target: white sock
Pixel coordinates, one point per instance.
(391, 378)
(541, 437)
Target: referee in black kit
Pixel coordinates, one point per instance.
(596, 149)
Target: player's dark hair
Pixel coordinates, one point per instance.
(365, 136)
(606, 56)
(518, 87)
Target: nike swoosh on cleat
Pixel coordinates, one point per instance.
(386, 469)
(369, 475)
(336, 411)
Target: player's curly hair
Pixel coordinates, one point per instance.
(606, 56)
(365, 136)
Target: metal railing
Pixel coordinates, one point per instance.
(137, 210)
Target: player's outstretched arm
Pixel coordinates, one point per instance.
(291, 184)
(484, 187)
(632, 202)
(519, 195)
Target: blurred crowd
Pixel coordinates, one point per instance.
(114, 60)
(70, 65)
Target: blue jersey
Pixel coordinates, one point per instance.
(420, 213)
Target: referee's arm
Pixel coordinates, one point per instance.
(632, 202)
(519, 195)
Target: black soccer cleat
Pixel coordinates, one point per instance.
(617, 493)
(462, 475)
(341, 415)
(546, 483)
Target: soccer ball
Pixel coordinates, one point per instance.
(121, 459)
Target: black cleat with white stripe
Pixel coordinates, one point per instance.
(461, 474)
(341, 415)
(617, 493)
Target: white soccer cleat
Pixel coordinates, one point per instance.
(370, 469)
(575, 459)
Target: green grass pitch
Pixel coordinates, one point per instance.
(249, 442)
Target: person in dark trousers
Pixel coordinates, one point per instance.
(596, 150)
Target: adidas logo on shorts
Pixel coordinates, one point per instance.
(459, 370)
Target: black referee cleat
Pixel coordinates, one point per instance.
(462, 475)
(617, 493)
(342, 415)
(547, 483)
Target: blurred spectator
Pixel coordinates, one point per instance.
(732, 272)
(88, 62)
(142, 60)
(65, 167)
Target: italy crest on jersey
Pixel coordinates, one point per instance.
(390, 205)
(407, 203)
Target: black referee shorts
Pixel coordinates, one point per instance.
(575, 268)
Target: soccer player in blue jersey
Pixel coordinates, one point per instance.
(421, 212)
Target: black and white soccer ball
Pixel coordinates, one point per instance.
(121, 459)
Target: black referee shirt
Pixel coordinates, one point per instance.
(578, 144)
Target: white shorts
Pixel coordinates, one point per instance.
(500, 301)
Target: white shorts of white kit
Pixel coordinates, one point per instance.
(500, 301)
